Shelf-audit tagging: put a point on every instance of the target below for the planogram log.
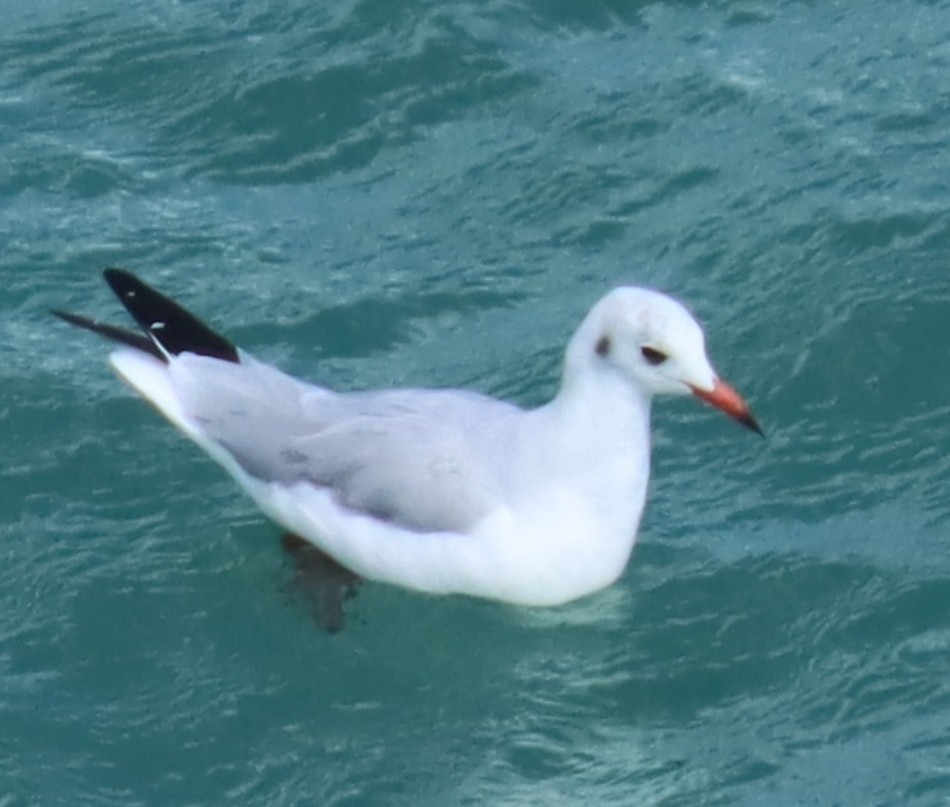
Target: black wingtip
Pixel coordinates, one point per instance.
(171, 326)
(121, 335)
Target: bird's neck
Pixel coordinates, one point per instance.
(596, 430)
(602, 407)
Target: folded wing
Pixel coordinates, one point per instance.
(371, 449)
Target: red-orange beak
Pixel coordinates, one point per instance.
(724, 397)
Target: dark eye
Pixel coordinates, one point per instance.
(653, 356)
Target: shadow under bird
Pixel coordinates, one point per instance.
(442, 491)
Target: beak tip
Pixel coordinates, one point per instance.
(751, 423)
(724, 397)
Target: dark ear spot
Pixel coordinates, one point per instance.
(603, 346)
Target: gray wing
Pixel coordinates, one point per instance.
(412, 457)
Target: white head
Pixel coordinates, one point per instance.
(654, 342)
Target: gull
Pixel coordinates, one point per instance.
(438, 490)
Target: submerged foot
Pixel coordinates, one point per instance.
(321, 581)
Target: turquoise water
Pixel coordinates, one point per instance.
(385, 193)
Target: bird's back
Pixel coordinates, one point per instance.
(413, 457)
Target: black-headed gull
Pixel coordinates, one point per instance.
(444, 491)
